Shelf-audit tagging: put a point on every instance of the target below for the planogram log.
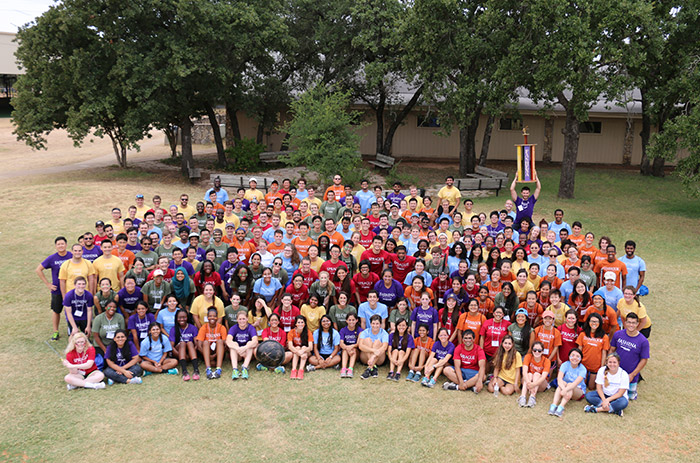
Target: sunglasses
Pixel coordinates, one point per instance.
(536, 350)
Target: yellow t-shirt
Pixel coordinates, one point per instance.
(313, 316)
(109, 268)
(559, 314)
(516, 266)
(357, 252)
(188, 211)
(624, 308)
(70, 271)
(140, 211)
(117, 226)
(316, 265)
(316, 201)
(233, 218)
(522, 291)
(509, 375)
(254, 194)
(200, 306)
(451, 194)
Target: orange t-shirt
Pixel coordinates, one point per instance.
(550, 338)
(599, 257)
(509, 277)
(426, 346)
(207, 334)
(556, 282)
(339, 191)
(270, 197)
(470, 321)
(579, 240)
(245, 250)
(127, 257)
(542, 367)
(592, 349)
(275, 249)
(567, 264)
(486, 307)
(532, 313)
(608, 315)
(590, 252)
(295, 338)
(617, 267)
(302, 245)
(335, 238)
(493, 289)
(414, 297)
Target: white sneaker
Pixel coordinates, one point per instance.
(521, 401)
(310, 367)
(99, 385)
(532, 402)
(70, 387)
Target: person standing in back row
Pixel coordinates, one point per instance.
(525, 204)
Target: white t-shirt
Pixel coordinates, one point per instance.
(621, 380)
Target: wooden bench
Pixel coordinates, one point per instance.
(193, 173)
(271, 157)
(483, 179)
(383, 162)
(239, 181)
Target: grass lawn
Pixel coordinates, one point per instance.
(271, 418)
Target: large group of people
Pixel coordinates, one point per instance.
(429, 287)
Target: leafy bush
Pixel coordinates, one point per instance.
(395, 175)
(321, 134)
(245, 156)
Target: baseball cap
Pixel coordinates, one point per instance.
(451, 296)
(609, 276)
(253, 179)
(394, 206)
(548, 313)
(158, 273)
(193, 234)
(522, 311)
(139, 196)
(99, 223)
(230, 224)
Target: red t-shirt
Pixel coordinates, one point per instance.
(330, 267)
(401, 268)
(376, 261)
(469, 358)
(169, 274)
(309, 278)
(280, 336)
(366, 240)
(493, 333)
(299, 296)
(364, 285)
(77, 359)
(214, 279)
(287, 318)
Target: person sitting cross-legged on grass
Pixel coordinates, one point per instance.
(373, 344)
(242, 340)
(154, 352)
(80, 361)
(570, 382)
(440, 355)
(612, 383)
(326, 346)
(469, 366)
(123, 361)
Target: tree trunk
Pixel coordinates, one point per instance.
(260, 133)
(568, 162)
(548, 137)
(119, 151)
(467, 145)
(214, 122)
(187, 159)
(657, 168)
(171, 134)
(645, 164)
(389, 138)
(379, 115)
(233, 131)
(628, 142)
(487, 140)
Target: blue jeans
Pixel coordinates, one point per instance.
(117, 378)
(615, 406)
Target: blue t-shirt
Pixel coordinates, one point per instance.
(349, 336)
(154, 350)
(364, 311)
(140, 324)
(267, 291)
(634, 265)
(424, 317)
(611, 297)
(571, 373)
(325, 346)
(427, 278)
(79, 304)
(167, 319)
(186, 335)
(54, 262)
(364, 198)
(382, 336)
(443, 351)
(389, 296)
(543, 269)
(556, 228)
(410, 343)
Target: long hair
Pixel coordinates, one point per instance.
(501, 353)
(599, 332)
(585, 297)
(150, 340)
(511, 302)
(305, 333)
(404, 338)
(345, 286)
(74, 337)
(126, 350)
(611, 354)
(455, 314)
(330, 331)
(178, 331)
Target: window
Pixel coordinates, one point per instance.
(510, 124)
(427, 120)
(590, 127)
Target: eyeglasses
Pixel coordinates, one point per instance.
(536, 350)
(277, 263)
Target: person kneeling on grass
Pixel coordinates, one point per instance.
(154, 352)
(536, 368)
(423, 343)
(182, 339)
(242, 340)
(210, 340)
(326, 346)
(506, 368)
(123, 361)
(440, 354)
(373, 344)
(80, 361)
(300, 344)
(273, 332)
(612, 383)
(570, 382)
(349, 336)
(469, 367)
(400, 346)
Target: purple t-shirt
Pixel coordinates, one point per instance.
(121, 361)
(409, 345)
(184, 263)
(128, 301)
(133, 247)
(186, 335)
(524, 208)
(242, 336)
(349, 336)
(389, 296)
(631, 350)
(395, 198)
(54, 262)
(141, 324)
(443, 351)
(91, 254)
(79, 304)
(424, 317)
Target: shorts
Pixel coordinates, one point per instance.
(326, 356)
(81, 324)
(57, 302)
(468, 373)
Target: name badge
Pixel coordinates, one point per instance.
(545, 351)
(157, 306)
(143, 335)
(440, 300)
(583, 311)
(212, 346)
(287, 329)
(494, 343)
(78, 313)
(206, 319)
(110, 334)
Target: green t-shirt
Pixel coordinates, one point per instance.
(589, 278)
(103, 301)
(149, 259)
(330, 210)
(106, 328)
(231, 316)
(139, 277)
(220, 252)
(314, 234)
(395, 315)
(202, 221)
(167, 252)
(339, 316)
(321, 293)
(517, 333)
(156, 294)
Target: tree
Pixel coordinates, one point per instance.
(320, 132)
(578, 55)
(457, 47)
(70, 83)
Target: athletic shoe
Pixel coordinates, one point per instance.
(70, 387)
(173, 371)
(342, 372)
(522, 401)
(375, 371)
(55, 336)
(310, 367)
(620, 413)
(397, 376)
(260, 367)
(217, 373)
(632, 395)
(390, 376)
(552, 409)
(280, 370)
(110, 382)
(366, 374)
(185, 377)
(235, 375)
(147, 373)
(293, 375)
(244, 373)
(135, 380)
(349, 373)
(590, 409)
(559, 412)
(431, 383)
(195, 376)
(495, 390)
(337, 366)
(475, 390)
(532, 402)
(210, 375)
(410, 375)
(450, 386)
(425, 381)
(416, 377)
(101, 385)
(300, 374)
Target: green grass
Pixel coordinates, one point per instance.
(271, 418)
